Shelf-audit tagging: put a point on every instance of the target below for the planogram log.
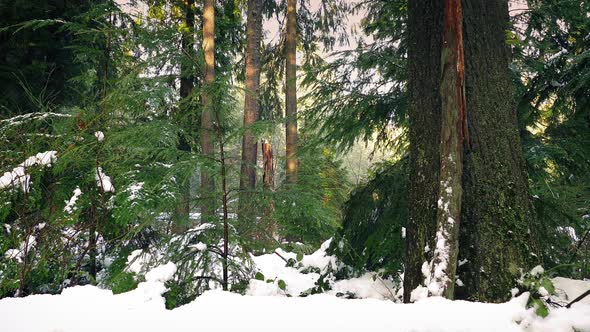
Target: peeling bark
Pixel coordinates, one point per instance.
(444, 261)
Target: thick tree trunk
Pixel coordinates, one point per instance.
(424, 44)
(497, 218)
(291, 92)
(452, 89)
(251, 102)
(497, 233)
(207, 133)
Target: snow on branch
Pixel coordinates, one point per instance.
(18, 177)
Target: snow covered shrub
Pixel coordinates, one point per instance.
(198, 256)
(540, 287)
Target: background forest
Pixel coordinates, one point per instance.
(204, 132)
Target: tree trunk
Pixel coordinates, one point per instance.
(497, 233)
(291, 92)
(251, 102)
(269, 224)
(187, 45)
(267, 157)
(497, 218)
(424, 43)
(186, 87)
(207, 133)
(452, 89)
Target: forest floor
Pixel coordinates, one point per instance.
(267, 306)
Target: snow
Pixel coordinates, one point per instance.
(439, 278)
(543, 292)
(199, 246)
(99, 136)
(104, 181)
(71, 204)
(138, 259)
(161, 273)
(319, 258)
(365, 287)
(273, 267)
(537, 270)
(570, 231)
(572, 288)
(24, 248)
(20, 119)
(18, 177)
(134, 189)
(91, 309)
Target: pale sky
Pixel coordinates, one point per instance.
(271, 26)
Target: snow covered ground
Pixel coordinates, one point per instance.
(267, 308)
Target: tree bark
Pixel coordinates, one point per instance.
(497, 234)
(452, 89)
(187, 45)
(207, 133)
(251, 102)
(291, 93)
(187, 81)
(497, 237)
(267, 157)
(424, 43)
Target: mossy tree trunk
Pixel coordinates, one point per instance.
(452, 93)
(424, 63)
(497, 217)
(497, 234)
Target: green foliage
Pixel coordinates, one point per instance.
(540, 288)
(371, 237)
(309, 211)
(37, 53)
(552, 77)
(360, 93)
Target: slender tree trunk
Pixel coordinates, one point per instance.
(251, 102)
(187, 45)
(424, 43)
(291, 92)
(269, 224)
(498, 225)
(452, 92)
(224, 205)
(207, 133)
(186, 87)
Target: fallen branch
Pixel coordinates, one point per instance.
(579, 298)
